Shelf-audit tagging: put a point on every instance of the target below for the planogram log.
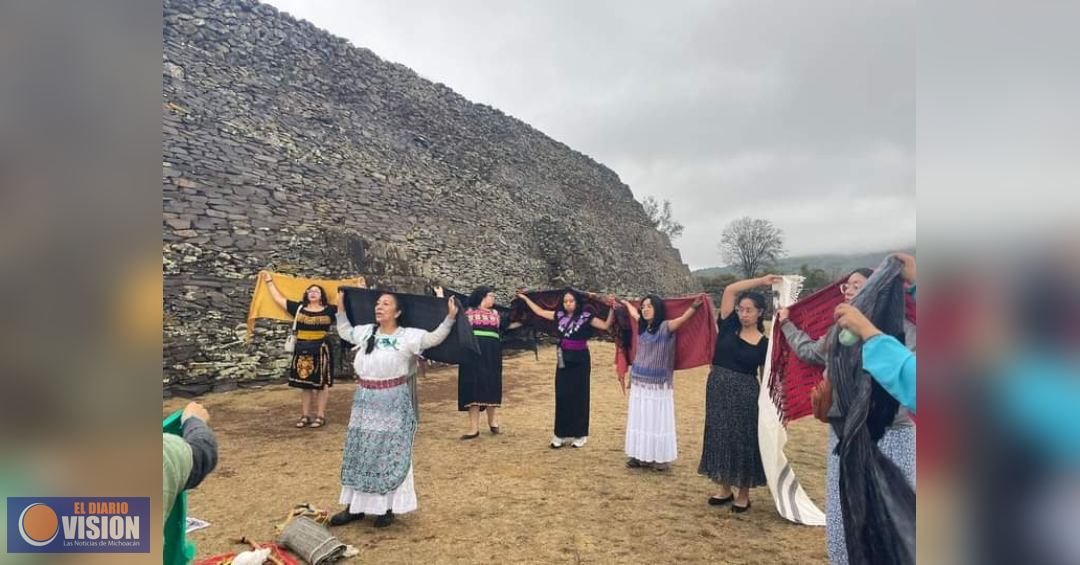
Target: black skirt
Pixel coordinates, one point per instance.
(730, 453)
(572, 394)
(480, 380)
(312, 365)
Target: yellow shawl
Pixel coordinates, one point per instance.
(292, 288)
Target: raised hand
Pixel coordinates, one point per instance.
(769, 280)
(908, 271)
(195, 410)
(451, 306)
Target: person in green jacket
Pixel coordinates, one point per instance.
(187, 460)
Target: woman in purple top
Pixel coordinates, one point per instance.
(650, 419)
(575, 326)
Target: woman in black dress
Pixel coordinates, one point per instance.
(480, 381)
(312, 366)
(730, 455)
(575, 326)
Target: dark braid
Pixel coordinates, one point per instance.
(370, 345)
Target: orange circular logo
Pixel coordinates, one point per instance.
(38, 524)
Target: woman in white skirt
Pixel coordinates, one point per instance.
(650, 421)
(376, 469)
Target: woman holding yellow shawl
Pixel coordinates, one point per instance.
(311, 369)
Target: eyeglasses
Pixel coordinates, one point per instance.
(850, 287)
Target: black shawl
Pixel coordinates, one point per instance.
(877, 503)
(424, 312)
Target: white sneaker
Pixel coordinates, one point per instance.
(556, 442)
(580, 442)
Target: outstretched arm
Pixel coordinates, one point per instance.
(606, 323)
(634, 314)
(677, 323)
(727, 301)
(545, 314)
(437, 335)
(279, 298)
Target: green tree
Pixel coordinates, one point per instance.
(814, 279)
(715, 285)
(659, 214)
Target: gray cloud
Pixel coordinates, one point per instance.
(802, 113)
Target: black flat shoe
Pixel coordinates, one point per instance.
(714, 501)
(344, 517)
(384, 520)
(740, 509)
(471, 436)
(633, 463)
(494, 430)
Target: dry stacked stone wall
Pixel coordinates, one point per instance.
(289, 149)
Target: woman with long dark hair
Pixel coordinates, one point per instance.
(730, 455)
(574, 365)
(480, 381)
(650, 418)
(898, 441)
(376, 469)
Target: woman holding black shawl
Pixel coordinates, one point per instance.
(574, 326)
(898, 441)
(376, 470)
(730, 454)
(480, 381)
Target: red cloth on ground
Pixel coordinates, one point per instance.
(275, 550)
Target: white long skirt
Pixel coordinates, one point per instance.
(400, 500)
(650, 425)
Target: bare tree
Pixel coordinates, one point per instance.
(659, 214)
(751, 244)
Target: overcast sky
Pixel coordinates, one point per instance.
(799, 112)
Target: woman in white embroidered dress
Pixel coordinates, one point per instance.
(376, 469)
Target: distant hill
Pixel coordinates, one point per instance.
(833, 264)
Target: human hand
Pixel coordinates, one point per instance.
(782, 314)
(851, 319)
(908, 271)
(438, 291)
(195, 410)
(769, 280)
(266, 277)
(452, 307)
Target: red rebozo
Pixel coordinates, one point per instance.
(791, 379)
(694, 343)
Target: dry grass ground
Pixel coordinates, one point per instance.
(506, 498)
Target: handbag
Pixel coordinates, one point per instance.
(821, 399)
(290, 342)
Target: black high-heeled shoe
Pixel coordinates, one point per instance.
(494, 430)
(471, 436)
